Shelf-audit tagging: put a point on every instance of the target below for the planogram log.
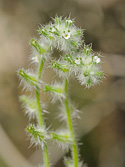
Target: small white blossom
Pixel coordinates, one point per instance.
(88, 72)
(66, 35)
(69, 21)
(96, 59)
(53, 29)
(77, 61)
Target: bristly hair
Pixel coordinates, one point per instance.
(75, 60)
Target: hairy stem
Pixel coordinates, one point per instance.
(46, 157)
(40, 116)
(70, 126)
(39, 109)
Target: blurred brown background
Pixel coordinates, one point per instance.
(101, 128)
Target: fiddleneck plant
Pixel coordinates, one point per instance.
(76, 59)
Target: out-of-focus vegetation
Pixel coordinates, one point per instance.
(101, 126)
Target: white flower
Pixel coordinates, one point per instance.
(77, 61)
(69, 21)
(66, 35)
(96, 59)
(53, 29)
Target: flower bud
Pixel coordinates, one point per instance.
(37, 135)
(62, 67)
(29, 78)
(62, 136)
(38, 48)
(30, 106)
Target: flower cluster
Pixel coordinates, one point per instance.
(64, 35)
(30, 106)
(85, 66)
(76, 59)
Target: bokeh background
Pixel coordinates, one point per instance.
(101, 129)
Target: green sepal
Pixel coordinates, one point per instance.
(99, 73)
(56, 32)
(65, 137)
(37, 134)
(43, 31)
(68, 24)
(51, 37)
(62, 67)
(29, 78)
(28, 101)
(58, 20)
(73, 43)
(69, 58)
(87, 50)
(54, 89)
(86, 73)
(88, 82)
(46, 34)
(78, 32)
(38, 48)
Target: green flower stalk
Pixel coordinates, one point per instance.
(38, 137)
(70, 126)
(76, 59)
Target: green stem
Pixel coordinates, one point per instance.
(46, 157)
(40, 116)
(70, 126)
(39, 109)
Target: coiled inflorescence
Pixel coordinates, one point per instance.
(76, 59)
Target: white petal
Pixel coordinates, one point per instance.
(96, 59)
(69, 21)
(77, 61)
(66, 35)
